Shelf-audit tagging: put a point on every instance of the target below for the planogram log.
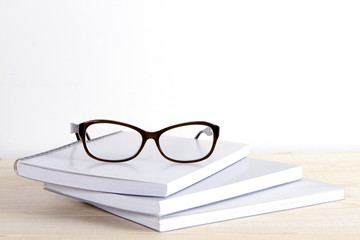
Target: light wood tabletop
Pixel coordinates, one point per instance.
(29, 212)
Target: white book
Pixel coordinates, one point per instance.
(245, 176)
(288, 196)
(149, 174)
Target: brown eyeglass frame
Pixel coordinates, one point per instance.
(80, 132)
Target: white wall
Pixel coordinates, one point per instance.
(281, 75)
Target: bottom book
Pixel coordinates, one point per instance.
(288, 196)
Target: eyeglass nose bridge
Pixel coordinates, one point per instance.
(150, 135)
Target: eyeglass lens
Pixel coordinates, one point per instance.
(112, 141)
(181, 143)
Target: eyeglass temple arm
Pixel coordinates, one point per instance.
(74, 128)
(207, 131)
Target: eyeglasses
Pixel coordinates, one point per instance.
(111, 141)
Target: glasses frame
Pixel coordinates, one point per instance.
(81, 135)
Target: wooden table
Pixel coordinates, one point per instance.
(27, 211)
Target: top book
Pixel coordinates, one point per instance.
(149, 174)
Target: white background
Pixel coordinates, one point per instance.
(280, 75)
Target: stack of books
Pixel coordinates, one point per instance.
(164, 195)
